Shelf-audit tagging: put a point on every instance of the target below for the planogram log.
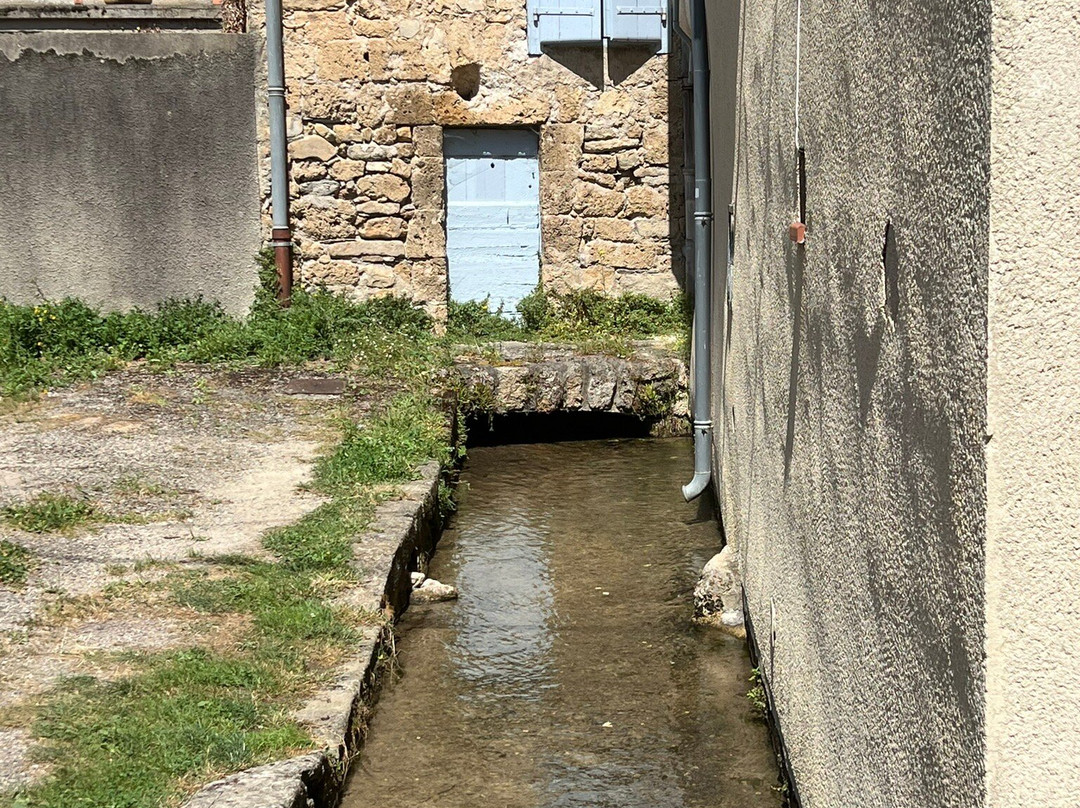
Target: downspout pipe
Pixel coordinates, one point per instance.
(281, 234)
(703, 218)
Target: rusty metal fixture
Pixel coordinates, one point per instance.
(281, 241)
(281, 236)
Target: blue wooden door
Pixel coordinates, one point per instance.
(492, 215)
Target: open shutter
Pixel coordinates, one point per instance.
(562, 22)
(637, 21)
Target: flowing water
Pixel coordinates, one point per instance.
(568, 673)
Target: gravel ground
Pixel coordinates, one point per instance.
(181, 464)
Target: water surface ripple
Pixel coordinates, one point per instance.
(568, 674)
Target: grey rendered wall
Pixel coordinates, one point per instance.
(852, 444)
(1033, 457)
(128, 167)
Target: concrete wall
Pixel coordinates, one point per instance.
(851, 446)
(1033, 455)
(372, 85)
(129, 168)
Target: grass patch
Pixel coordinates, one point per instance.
(592, 320)
(132, 742)
(387, 450)
(15, 563)
(186, 717)
(48, 513)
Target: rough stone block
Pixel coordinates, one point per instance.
(560, 145)
(378, 208)
(593, 200)
(347, 169)
(378, 276)
(319, 188)
(383, 227)
(598, 162)
(343, 60)
(428, 141)
(560, 238)
(629, 160)
(557, 191)
(331, 273)
(308, 170)
(366, 249)
(655, 284)
(383, 187)
(619, 254)
(370, 151)
(312, 147)
(427, 235)
(611, 229)
(611, 144)
(327, 223)
(410, 104)
(428, 183)
(645, 201)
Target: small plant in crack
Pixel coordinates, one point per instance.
(756, 694)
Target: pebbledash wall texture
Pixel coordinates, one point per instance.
(373, 85)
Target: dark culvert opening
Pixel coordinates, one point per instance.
(555, 427)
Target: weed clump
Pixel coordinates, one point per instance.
(15, 563)
(47, 513)
(64, 341)
(756, 694)
(578, 317)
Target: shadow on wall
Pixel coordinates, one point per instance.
(587, 62)
(678, 108)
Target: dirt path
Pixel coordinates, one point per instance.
(176, 467)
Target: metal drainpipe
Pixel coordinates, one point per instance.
(703, 216)
(688, 162)
(281, 235)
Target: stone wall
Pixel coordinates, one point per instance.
(372, 84)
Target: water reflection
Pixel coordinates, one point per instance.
(503, 639)
(568, 674)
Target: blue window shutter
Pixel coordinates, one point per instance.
(641, 21)
(562, 22)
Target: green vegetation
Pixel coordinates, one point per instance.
(47, 513)
(185, 716)
(60, 342)
(582, 316)
(174, 719)
(15, 563)
(756, 694)
(56, 343)
(126, 743)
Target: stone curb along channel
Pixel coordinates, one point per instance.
(402, 531)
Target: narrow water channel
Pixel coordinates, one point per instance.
(568, 673)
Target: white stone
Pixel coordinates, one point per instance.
(432, 591)
(719, 589)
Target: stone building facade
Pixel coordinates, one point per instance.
(373, 85)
